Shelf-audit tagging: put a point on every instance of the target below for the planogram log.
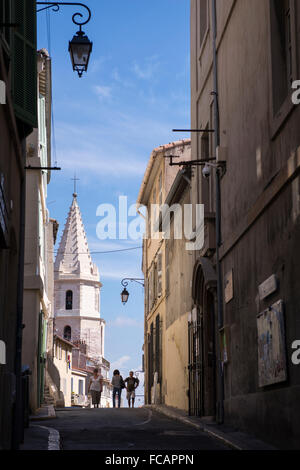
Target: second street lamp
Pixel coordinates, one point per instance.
(124, 295)
(124, 282)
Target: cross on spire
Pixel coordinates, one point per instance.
(75, 179)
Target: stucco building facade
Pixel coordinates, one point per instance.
(62, 362)
(165, 374)
(40, 232)
(244, 55)
(18, 116)
(221, 320)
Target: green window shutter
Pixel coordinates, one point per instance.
(5, 17)
(42, 123)
(41, 232)
(24, 62)
(43, 138)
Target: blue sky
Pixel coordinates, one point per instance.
(106, 124)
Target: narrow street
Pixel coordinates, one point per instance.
(149, 228)
(127, 429)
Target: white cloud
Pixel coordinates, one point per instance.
(148, 69)
(103, 91)
(119, 363)
(116, 274)
(116, 75)
(97, 64)
(102, 154)
(100, 163)
(91, 146)
(122, 321)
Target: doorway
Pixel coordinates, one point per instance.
(201, 340)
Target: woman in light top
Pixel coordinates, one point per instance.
(117, 383)
(95, 386)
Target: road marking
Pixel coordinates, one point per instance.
(177, 433)
(147, 420)
(53, 438)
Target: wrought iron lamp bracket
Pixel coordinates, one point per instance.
(126, 281)
(56, 7)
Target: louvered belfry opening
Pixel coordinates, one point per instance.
(67, 332)
(69, 300)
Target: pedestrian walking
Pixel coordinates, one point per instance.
(132, 384)
(118, 384)
(95, 386)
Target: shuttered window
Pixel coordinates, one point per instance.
(167, 274)
(147, 296)
(283, 50)
(149, 291)
(154, 280)
(149, 222)
(5, 17)
(160, 189)
(41, 231)
(203, 20)
(43, 139)
(152, 286)
(159, 274)
(24, 62)
(42, 130)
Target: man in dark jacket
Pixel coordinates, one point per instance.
(131, 384)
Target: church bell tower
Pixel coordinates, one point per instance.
(77, 288)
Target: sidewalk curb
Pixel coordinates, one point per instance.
(186, 420)
(40, 417)
(217, 434)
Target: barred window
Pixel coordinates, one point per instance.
(282, 50)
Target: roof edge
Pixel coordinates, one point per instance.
(155, 152)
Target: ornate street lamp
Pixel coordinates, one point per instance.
(124, 282)
(80, 47)
(124, 295)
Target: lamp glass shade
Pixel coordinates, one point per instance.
(124, 295)
(80, 49)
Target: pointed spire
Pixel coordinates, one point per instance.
(73, 256)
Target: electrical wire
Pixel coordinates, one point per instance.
(98, 252)
(48, 28)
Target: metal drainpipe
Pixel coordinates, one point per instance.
(18, 424)
(220, 400)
